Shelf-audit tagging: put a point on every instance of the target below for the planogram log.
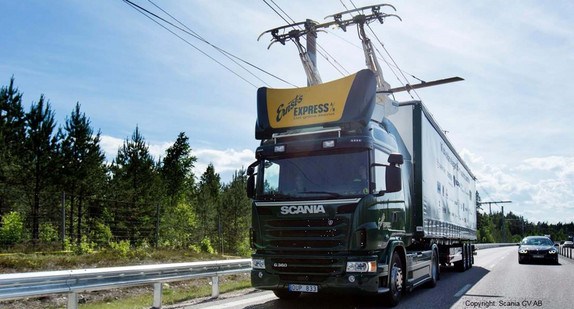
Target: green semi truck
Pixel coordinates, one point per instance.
(354, 193)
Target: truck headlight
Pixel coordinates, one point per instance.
(362, 267)
(258, 263)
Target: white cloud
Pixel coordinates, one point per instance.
(110, 146)
(541, 188)
(225, 162)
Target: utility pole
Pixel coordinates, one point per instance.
(503, 226)
(311, 44)
(490, 203)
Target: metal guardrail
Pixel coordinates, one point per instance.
(567, 252)
(72, 282)
(487, 246)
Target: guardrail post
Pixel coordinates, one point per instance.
(72, 301)
(157, 289)
(215, 286)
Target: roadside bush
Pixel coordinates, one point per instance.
(121, 248)
(12, 231)
(243, 248)
(84, 246)
(48, 233)
(101, 234)
(205, 246)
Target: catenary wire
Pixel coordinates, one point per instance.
(139, 9)
(197, 36)
(390, 66)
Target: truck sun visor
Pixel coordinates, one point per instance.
(346, 102)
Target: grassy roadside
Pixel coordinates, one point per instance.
(173, 294)
(136, 297)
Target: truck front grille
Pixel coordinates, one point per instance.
(322, 234)
(308, 265)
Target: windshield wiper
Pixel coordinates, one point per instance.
(334, 194)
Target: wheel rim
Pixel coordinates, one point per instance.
(397, 279)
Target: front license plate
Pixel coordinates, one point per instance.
(303, 288)
(538, 256)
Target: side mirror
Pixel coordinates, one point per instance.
(393, 178)
(251, 179)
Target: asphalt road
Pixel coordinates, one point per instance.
(495, 281)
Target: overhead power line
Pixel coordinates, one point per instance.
(187, 30)
(394, 63)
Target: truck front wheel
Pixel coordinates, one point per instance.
(396, 281)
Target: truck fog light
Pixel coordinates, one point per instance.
(329, 144)
(351, 279)
(260, 275)
(362, 267)
(258, 263)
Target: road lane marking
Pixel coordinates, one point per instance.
(463, 290)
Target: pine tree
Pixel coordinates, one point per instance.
(40, 156)
(83, 161)
(236, 213)
(12, 134)
(208, 206)
(176, 171)
(135, 182)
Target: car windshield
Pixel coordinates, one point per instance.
(327, 175)
(537, 242)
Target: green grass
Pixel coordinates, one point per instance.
(20, 262)
(137, 297)
(171, 295)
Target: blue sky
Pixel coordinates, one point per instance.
(511, 118)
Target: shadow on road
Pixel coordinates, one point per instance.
(442, 296)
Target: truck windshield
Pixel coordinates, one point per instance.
(315, 177)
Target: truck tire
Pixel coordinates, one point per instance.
(461, 265)
(434, 270)
(470, 256)
(466, 257)
(285, 294)
(396, 281)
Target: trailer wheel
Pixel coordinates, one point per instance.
(434, 270)
(470, 256)
(466, 257)
(286, 295)
(461, 265)
(396, 281)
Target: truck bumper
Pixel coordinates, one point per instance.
(347, 283)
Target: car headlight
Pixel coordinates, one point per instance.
(362, 267)
(258, 263)
(552, 252)
(523, 251)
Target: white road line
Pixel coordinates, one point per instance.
(243, 302)
(463, 290)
